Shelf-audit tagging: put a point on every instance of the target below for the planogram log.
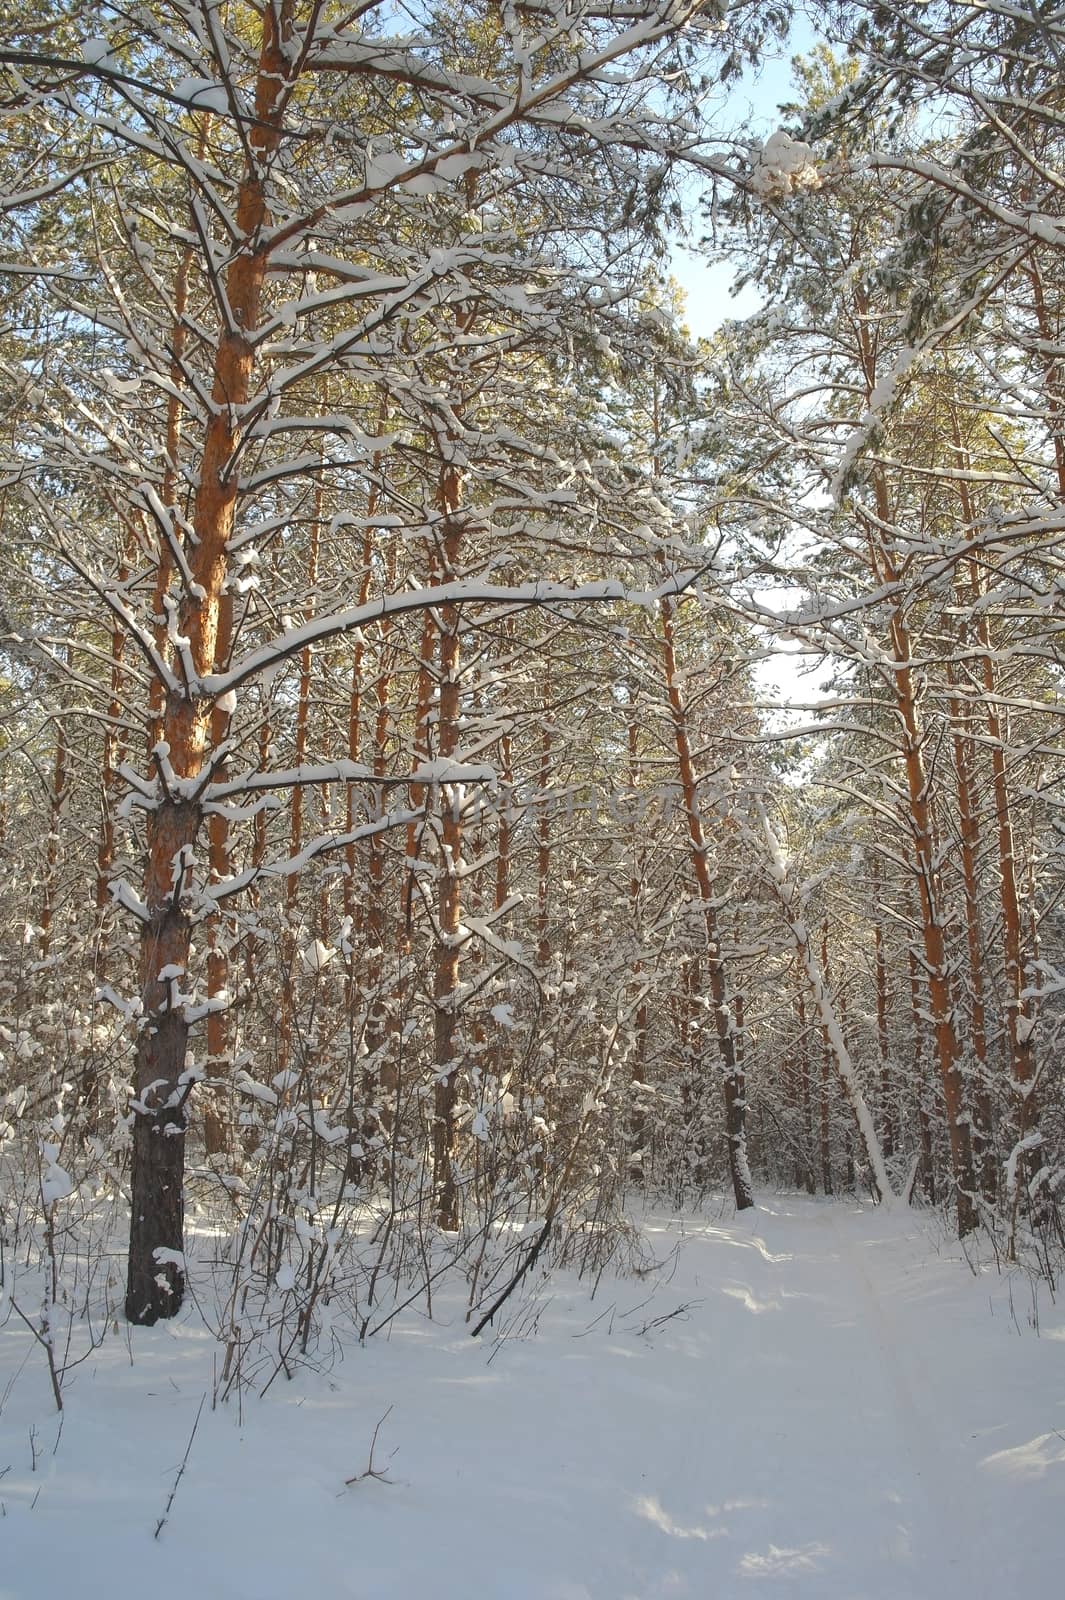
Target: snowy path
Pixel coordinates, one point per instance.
(836, 1410)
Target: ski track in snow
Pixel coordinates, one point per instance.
(839, 1409)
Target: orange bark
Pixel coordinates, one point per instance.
(734, 1090)
(882, 1042)
(543, 848)
(948, 1052)
(105, 851)
(826, 1080)
(217, 1127)
(969, 830)
(449, 883)
(1018, 1005)
(295, 839)
(57, 802)
(155, 1287)
(1052, 371)
(353, 903)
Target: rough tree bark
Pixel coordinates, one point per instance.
(732, 1077)
(922, 836)
(156, 1281)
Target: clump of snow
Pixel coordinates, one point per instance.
(784, 165)
(204, 93)
(168, 1258)
(317, 956)
(56, 1182)
(96, 52)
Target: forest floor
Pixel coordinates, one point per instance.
(813, 1400)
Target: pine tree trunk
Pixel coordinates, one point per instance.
(543, 848)
(56, 805)
(969, 830)
(882, 1040)
(932, 919)
(805, 1176)
(927, 1164)
(734, 1088)
(164, 570)
(105, 850)
(1019, 1017)
(156, 1282)
(449, 880)
(638, 1128)
(217, 1123)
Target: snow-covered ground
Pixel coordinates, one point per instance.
(812, 1400)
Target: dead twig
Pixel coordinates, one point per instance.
(181, 1470)
(526, 1266)
(49, 1351)
(370, 1470)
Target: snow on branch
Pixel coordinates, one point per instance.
(461, 591)
(440, 771)
(325, 844)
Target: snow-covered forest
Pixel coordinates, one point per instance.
(483, 766)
